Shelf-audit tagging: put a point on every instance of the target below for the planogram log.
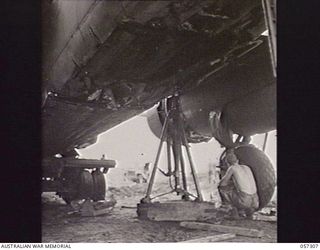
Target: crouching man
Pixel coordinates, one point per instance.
(238, 187)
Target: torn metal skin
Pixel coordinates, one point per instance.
(106, 61)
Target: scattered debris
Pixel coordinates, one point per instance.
(90, 208)
(87, 207)
(260, 217)
(122, 225)
(137, 177)
(271, 211)
(76, 205)
(203, 13)
(223, 229)
(95, 95)
(188, 27)
(214, 238)
(128, 207)
(73, 212)
(215, 62)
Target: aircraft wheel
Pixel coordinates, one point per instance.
(79, 185)
(99, 185)
(262, 169)
(85, 185)
(71, 183)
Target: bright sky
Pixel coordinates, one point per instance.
(132, 144)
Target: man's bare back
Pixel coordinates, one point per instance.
(244, 179)
(245, 198)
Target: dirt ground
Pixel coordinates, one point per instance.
(122, 224)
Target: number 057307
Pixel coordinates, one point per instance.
(309, 245)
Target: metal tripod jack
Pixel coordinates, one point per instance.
(173, 132)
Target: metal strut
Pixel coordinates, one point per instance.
(270, 14)
(174, 133)
(153, 174)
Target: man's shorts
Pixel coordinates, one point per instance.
(240, 200)
(245, 201)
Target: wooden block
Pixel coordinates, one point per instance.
(213, 238)
(88, 208)
(180, 211)
(223, 229)
(265, 218)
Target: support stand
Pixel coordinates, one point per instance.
(174, 134)
(186, 209)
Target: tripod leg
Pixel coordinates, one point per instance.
(193, 171)
(153, 174)
(183, 171)
(169, 155)
(176, 155)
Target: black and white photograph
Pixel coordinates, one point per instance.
(158, 121)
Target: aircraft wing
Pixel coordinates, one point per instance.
(106, 61)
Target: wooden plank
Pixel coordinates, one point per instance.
(213, 238)
(265, 218)
(223, 229)
(180, 211)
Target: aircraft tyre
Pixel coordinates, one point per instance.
(70, 182)
(99, 185)
(79, 185)
(262, 169)
(85, 185)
